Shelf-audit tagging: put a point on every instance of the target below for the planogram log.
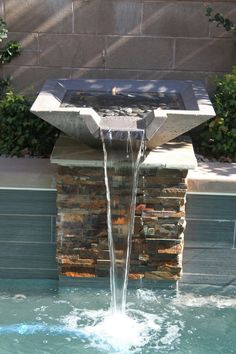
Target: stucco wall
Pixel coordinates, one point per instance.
(143, 39)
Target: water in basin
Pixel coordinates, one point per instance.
(77, 320)
(122, 104)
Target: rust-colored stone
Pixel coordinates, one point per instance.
(82, 222)
(136, 276)
(78, 275)
(176, 249)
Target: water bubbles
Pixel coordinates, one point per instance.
(146, 295)
(19, 297)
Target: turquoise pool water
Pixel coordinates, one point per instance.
(38, 318)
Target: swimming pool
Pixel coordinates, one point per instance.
(37, 317)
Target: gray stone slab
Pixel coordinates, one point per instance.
(209, 234)
(70, 152)
(207, 206)
(29, 202)
(27, 173)
(15, 228)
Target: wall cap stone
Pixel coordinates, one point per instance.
(173, 155)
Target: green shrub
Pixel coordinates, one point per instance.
(21, 131)
(219, 137)
(221, 21)
(11, 49)
(8, 51)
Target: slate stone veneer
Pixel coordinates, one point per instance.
(157, 243)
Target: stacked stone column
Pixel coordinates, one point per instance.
(157, 243)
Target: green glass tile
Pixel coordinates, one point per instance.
(30, 202)
(15, 273)
(17, 249)
(28, 262)
(209, 234)
(209, 261)
(217, 207)
(25, 228)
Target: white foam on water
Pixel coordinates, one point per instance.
(146, 295)
(173, 332)
(124, 333)
(118, 332)
(19, 297)
(192, 300)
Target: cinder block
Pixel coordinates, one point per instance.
(29, 80)
(39, 16)
(26, 58)
(29, 45)
(1, 9)
(175, 18)
(139, 53)
(107, 17)
(27, 41)
(71, 51)
(88, 73)
(205, 54)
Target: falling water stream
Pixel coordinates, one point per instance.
(121, 179)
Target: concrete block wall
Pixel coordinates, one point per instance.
(141, 39)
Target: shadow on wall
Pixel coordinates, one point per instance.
(114, 39)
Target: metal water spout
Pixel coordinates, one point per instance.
(69, 106)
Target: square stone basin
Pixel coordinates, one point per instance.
(163, 109)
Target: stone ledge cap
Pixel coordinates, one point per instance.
(173, 155)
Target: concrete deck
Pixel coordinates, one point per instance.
(26, 173)
(213, 178)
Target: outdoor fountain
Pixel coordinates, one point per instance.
(125, 118)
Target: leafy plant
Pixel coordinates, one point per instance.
(220, 20)
(7, 52)
(21, 131)
(3, 30)
(219, 137)
(11, 49)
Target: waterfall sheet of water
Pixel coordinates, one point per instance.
(121, 168)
